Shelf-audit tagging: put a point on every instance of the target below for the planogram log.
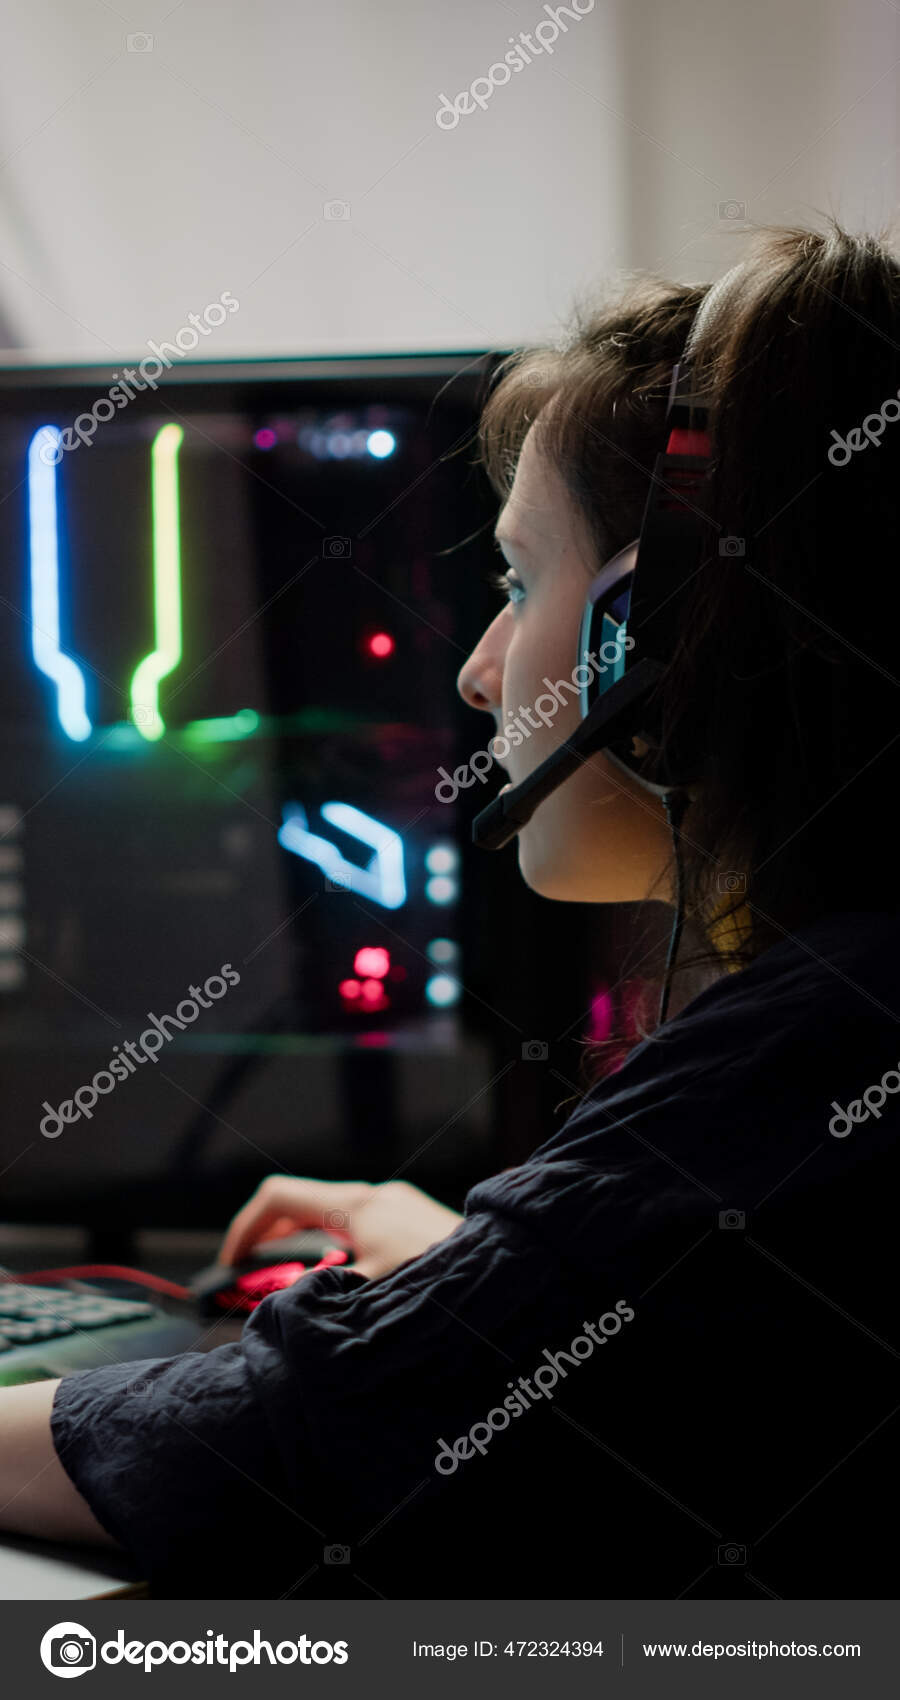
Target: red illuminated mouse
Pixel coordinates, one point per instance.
(273, 1265)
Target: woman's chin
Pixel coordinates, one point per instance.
(551, 866)
(543, 868)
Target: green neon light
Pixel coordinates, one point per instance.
(166, 586)
(224, 730)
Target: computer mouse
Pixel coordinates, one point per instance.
(270, 1266)
(306, 1245)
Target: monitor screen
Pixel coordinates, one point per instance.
(230, 941)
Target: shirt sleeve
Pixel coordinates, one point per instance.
(315, 1427)
(174, 1458)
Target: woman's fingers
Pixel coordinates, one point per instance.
(278, 1229)
(284, 1203)
(281, 1199)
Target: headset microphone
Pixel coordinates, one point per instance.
(609, 718)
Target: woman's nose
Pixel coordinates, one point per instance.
(480, 679)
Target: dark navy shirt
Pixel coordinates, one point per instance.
(657, 1359)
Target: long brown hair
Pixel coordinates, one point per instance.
(783, 690)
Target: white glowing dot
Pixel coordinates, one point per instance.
(440, 889)
(381, 444)
(442, 990)
(441, 859)
(442, 950)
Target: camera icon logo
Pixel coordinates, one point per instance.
(734, 211)
(336, 548)
(336, 882)
(734, 546)
(68, 1649)
(731, 1554)
(337, 1555)
(336, 1219)
(732, 1219)
(535, 1050)
(731, 881)
(335, 209)
(139, 42)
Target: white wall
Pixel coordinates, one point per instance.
(136, 186)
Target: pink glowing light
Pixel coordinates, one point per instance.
(372, 962)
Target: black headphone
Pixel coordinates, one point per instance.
(635, 607)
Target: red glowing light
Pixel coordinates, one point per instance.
(380, 644)
(372, 962)
(397, 973)
(349, 989)
(270, 1279)
(372, 993)
(601, 1015)
(265, 439)
(331, 1259)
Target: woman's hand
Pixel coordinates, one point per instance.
(385, 1225)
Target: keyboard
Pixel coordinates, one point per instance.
(49, 1331)
(28, 1314)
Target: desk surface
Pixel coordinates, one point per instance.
(46, 1570)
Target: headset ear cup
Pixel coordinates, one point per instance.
(602, 645)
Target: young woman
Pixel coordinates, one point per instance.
(659, 1357)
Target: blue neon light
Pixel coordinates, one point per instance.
(382, 879)
(43, 540)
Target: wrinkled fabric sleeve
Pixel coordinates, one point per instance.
(174, 1457)
(317, 1424)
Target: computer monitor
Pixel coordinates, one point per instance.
(234, 606)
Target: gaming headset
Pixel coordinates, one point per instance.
(637, 604)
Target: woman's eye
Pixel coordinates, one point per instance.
(511, 586)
